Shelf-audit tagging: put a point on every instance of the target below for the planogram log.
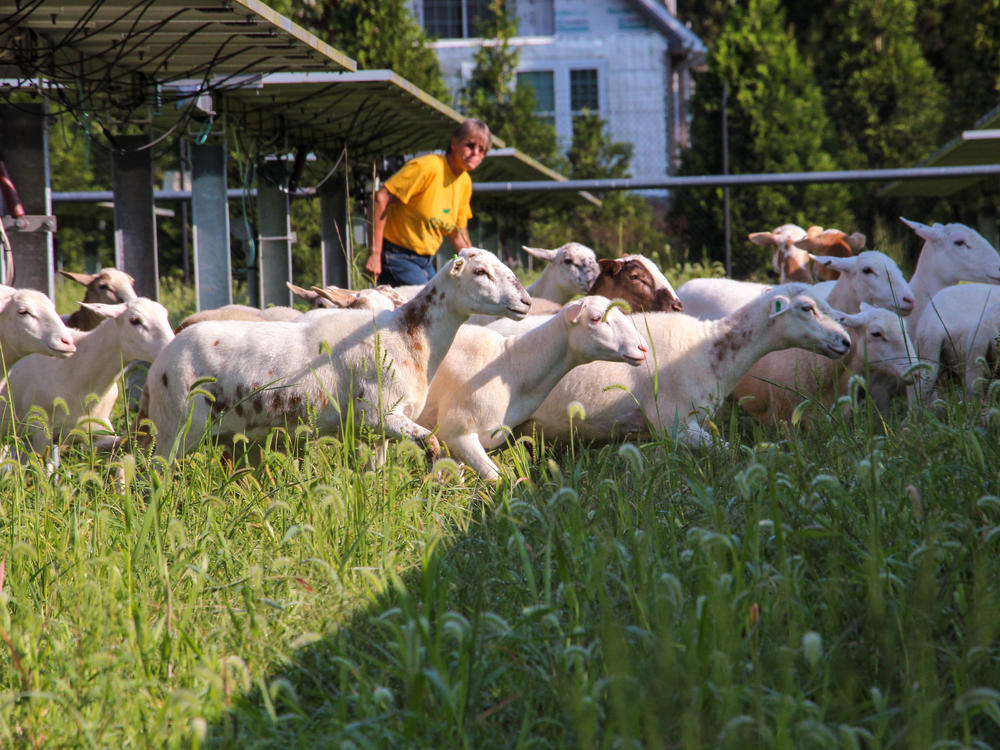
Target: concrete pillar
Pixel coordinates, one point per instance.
(213, 274)
(24, 138)
(135, 221)
(336, 231)
(275, 241)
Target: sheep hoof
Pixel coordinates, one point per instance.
(432, 447)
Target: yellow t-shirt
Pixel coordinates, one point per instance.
(433, 202)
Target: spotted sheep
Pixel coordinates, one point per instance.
(277, 374)
(692, 367)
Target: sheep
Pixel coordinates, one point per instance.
(981, 350)
(30, 324)
(634, 279)
(570, 270)
(240, 312)
(819, 241)
(951, 253)
(273, 374)
(786, 262)
(136, 330)
(714, 298)
(488, 383)
(954, 316)
(108, 286)
(779, 381)
(382, 297)
(695, 365)
(869, 276)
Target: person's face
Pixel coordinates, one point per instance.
(468, 152)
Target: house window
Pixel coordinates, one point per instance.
(583, 91)
(536, 17)
(455, 19)
(543, 84)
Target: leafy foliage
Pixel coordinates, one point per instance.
(776, 123)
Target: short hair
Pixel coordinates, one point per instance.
(470, 127)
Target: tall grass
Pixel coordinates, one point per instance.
(835, 587)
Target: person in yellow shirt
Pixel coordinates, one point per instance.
(424, 202)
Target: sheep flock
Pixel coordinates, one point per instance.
(600, 349)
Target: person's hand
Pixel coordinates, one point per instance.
(374, 266)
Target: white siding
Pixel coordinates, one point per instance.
(631, 58)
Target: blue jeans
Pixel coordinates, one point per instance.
(401, 267)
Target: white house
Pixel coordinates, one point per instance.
(629, 61)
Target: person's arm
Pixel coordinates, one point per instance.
(459, 239)
(380, 211)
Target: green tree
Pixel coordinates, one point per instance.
(776, 123)
(624, 222)
(492, 93)
(381, 34)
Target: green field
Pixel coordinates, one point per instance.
(836, 587)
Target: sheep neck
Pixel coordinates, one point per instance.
(430, 324)
(739, 340)
(541, 356)
(98, 359)
(929, 277)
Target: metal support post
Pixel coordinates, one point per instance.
(213, 274)
(135, 221)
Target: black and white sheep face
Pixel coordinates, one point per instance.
(969, 256)
(806, 321)
(31, 324)
(482, 284)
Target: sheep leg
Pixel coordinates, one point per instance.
(400, 426)
(467, 448)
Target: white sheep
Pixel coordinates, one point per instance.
(981, 355)
(951, 253)
(570, 270)
(954, 316)
(870, 276)
(109, 286)
(87, 381)
(780, 381)
(30, 324)
(240, 312)
(714, 298)
(270, 375)
(693, 367)
(489, 383)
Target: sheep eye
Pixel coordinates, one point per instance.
(135, 320)
(867, 270)
(961, 243)
(481, 272)
(24, 312)
(876, 334)
(595, 319)
(568, 261)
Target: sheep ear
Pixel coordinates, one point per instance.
(855, 320)
(573, 310)
(300, 292)
(833, 261)
(105, 310)
(5, 301)
(762, 238)
(540, 253)
(922, 231)
(780, 304)
(456, 266)
(856, 241)
(612, 265)
(339, 297)
(83, 279)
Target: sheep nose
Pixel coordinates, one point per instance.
(677, 306)
(845, 342)
(526, 300)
